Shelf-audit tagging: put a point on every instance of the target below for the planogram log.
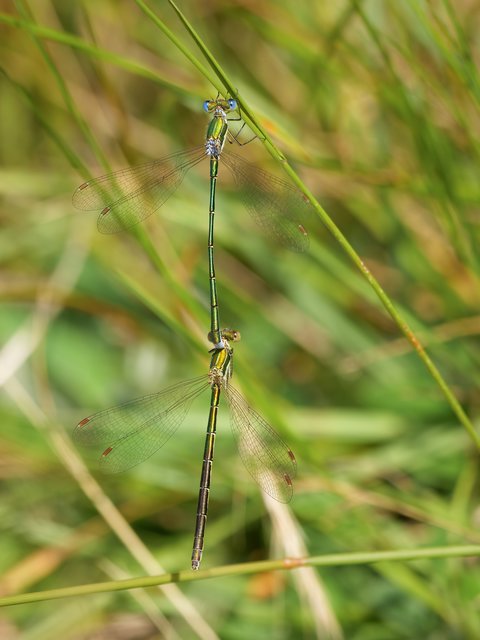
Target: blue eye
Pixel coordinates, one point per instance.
(206, 106)
(232, 103)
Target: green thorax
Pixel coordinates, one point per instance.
(220, 366)
(221, 362)
(216, 134)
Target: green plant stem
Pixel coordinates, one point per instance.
(331, 560)
(257, 128)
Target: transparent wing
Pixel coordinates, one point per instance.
(132, 432)
(131, 195)
(267, 458)
(277, 207)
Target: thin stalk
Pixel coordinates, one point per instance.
(173, 38)
(286, 564)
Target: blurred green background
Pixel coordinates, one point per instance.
(376, 105)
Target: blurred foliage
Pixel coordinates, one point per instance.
(376, 104)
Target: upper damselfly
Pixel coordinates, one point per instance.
(130, 195)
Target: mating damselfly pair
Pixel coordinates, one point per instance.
(132, 432)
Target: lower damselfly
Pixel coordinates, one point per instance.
(130, 195)
(134, 431)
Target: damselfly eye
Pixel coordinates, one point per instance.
(232, 103)
(206, 105)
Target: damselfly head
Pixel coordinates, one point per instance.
(232, 335)
(219, 103)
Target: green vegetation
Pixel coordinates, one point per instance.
(376, 107)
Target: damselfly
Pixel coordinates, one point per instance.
(130, 195)
(132, 432)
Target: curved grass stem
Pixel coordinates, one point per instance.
(251, 120)
(286, 564)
